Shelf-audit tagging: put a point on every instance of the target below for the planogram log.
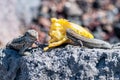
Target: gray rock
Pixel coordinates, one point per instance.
(63, 63)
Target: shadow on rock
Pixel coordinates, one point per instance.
(9, 64)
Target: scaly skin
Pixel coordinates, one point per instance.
(58, 32)
(90, 43)
(24, 42)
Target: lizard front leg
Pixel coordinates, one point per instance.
(74, 40)
(23, 52)
(80, 43)
(24, 48)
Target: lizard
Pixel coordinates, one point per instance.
(87, 42)
(23, 42)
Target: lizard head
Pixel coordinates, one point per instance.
(32, 33)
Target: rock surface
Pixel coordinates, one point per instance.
(64, 63)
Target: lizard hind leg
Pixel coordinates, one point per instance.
(80, 43)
